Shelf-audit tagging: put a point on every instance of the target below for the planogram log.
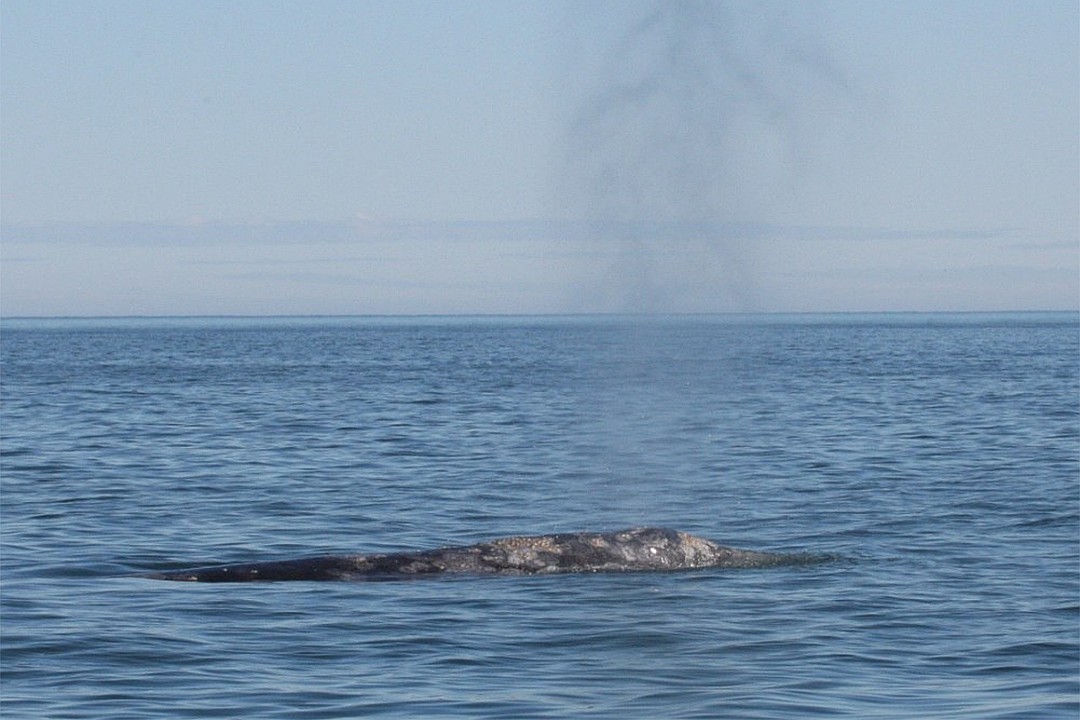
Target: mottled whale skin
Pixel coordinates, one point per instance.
(633, 550)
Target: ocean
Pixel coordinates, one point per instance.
(932, 460)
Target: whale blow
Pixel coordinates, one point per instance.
(633, 550)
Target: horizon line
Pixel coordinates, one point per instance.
(746, 313)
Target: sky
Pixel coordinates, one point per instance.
(255, 157)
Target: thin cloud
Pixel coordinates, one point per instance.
(566, 231)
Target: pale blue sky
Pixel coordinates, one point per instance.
(256, 157)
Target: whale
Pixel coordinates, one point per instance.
(632, 550)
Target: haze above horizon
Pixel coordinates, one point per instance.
(510, 157)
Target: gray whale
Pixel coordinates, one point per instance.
(633, 550)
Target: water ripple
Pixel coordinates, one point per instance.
(932, 464)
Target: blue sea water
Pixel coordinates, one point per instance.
(934, 458)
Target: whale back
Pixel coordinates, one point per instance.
(631, 550)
